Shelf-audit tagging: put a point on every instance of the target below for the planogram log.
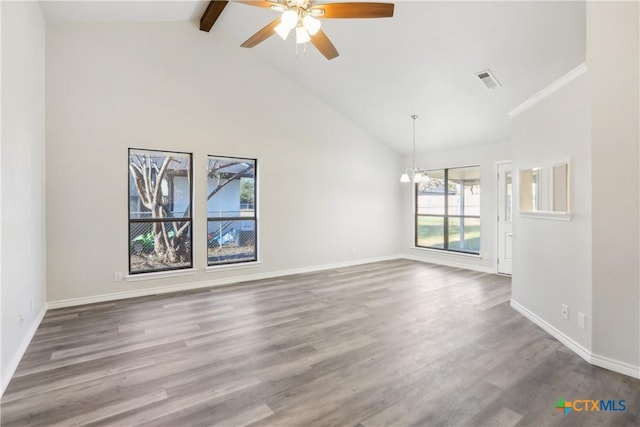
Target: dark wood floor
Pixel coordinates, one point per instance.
(392, 343)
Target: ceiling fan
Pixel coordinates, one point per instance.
(303, 17)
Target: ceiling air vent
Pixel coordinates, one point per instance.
(488, 79)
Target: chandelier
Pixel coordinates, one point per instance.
(413, 174)
(300, 15)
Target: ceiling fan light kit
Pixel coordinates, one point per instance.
(289, 18)
(311, 24)
(282, 30)
(306, 26)
(302, 15)
(302, 36)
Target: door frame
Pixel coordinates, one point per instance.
(496, 204)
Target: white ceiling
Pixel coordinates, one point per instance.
(122, 11)
(422, 61)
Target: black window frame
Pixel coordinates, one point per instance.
(253, 218)
(188, 219)
(445, 216)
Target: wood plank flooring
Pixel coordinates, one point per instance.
(393, 343)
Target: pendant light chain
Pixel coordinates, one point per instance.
(414, 117)
(414, 174)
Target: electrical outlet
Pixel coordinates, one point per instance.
(486, 255)
(581, 320)
(21, 319)
(117, 276)
(565, 311)
(353, 250)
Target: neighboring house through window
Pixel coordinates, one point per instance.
(159, 211)
(448, 210)
(231, 210)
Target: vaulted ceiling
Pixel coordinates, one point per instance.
(422, 61)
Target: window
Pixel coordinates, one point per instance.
(231, 210)
(448, 210)
(159, 211)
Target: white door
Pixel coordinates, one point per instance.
(505, 217)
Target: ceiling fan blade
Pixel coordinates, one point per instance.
(260, 3)
(324, 45)
(209, 17)
(355, 10)
(261, 35)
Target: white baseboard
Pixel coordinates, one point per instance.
(615, 365)
(551, 330)
(456, 264)
(594, 359)
(17, 357)
(209, 283)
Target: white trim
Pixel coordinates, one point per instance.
(551, 330)
(496, 200)
(238, 266)
(445, 252)
(17, 357)
(557, 216)
(553, 87)
(208, 283)
(615, 365)
(490, 270)
(594, 359)
(159, 274)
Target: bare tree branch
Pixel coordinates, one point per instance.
(139, 182)
(227, 181)
(219, 166)
(159, 177)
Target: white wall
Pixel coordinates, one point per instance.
(613, 46)
(484, 156)
(590, 263)
(23, 171)
(551, 257)
(326, 188)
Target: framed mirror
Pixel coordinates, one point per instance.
(544, 191)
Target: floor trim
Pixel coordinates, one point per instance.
(17, 357)
(615, 365)
(594, 359)
(456, 264)
(209, 283)
(551, 330)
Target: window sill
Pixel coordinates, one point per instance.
(239, 266)
(557, 216)
(159, 275)
(443, 252)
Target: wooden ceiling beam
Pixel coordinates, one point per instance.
(209, 17)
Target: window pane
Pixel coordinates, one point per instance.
(159, 184)
(231, 241)
(231, 210)
(430, 199)
(160, 245)
(230, 187)
(464, 234)
(430, 231)
(160, 196)
(464, 191)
